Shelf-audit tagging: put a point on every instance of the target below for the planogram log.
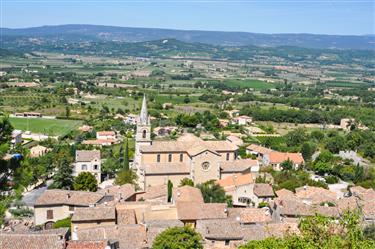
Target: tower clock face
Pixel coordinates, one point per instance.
(205, 166)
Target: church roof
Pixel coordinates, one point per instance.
(166, 168)
(190, 144)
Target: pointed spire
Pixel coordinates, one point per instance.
(143, 118)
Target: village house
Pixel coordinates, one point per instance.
(91, 217)
(157, 162)
(224, 122)
(88, 161)
(28, 114)
(106, 135)
(263, 192)
(164, 131)
(131, 119)
(235, 140)
(99, 142)
(307, 201)
(16, 138)
(167, 105)
(38, 151)
(257, 150)
(233, 113)
(242, 120)
(55, 205)
(85, 128)
(244, 191)
(275, 159)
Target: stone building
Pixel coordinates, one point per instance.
(191, 157)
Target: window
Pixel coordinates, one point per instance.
(228, 156)
(96, 167)
(170, 158)
(158, 158)
(49, 214)
(84, 167)
(144, 134)
(181, 157)
(71, 208)
(205, 166)
(227, 242)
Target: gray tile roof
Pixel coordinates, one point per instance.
(87, 155)
(68, 197)
(51, 239)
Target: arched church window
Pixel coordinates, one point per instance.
(144, 134)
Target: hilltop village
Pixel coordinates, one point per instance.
(227, 196)
(168, 144)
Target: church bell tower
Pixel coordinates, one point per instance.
(143, 132)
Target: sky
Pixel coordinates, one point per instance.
(344, 17)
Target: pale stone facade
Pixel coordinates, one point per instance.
(88, 161)
(156, 162)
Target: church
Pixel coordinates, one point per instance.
(189, 156)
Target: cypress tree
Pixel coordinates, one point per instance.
(126, 156)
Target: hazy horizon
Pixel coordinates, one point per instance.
(336, 17)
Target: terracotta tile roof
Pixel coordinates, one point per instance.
(87, 244)
(53, 239)
(347, 203)
(153, 192)
(190, 144)
(128, 236)
(164, 168)
(126, 216)
(281, 229)
(156, 227)
(106, 133)
(239, 165)
(290, 207)
(250, 215)
(94, 213)
(38, 150)
(316, 195)
(368, 209)
(236, 180)
(259, 149)
(199, 211)
(187, 194)
(263, 190)
(279, 157)
(99, 141)
(235, 140)
(87, 155)
(68, 197)
(123, 192)
(222, 229)
(285, 193)
(362, 193)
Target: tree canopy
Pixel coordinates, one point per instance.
(178, 238)
(85, 181)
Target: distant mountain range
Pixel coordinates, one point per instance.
(98, 33)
